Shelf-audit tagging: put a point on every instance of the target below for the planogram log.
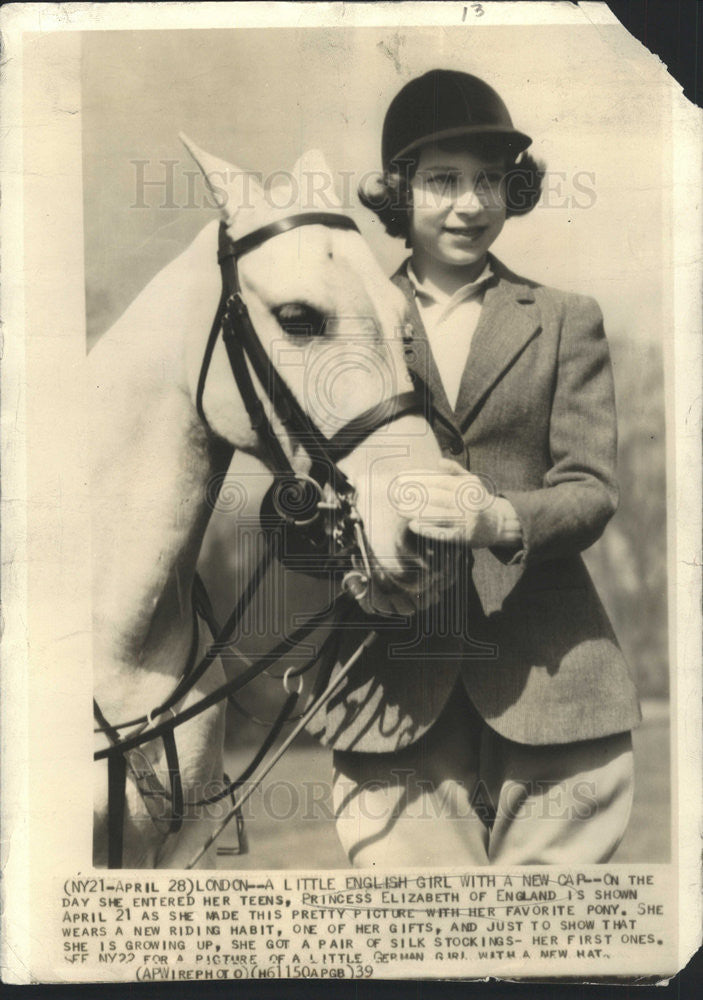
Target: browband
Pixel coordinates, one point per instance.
(235, 248)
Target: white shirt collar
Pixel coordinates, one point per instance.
(432, 294)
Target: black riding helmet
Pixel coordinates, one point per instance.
(445, 104)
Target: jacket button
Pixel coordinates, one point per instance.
(456, 446)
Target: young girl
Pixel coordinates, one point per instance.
(499, 733)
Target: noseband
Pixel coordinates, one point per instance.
(318, 514)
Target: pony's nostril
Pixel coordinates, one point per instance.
(413, 545)
(428, 565)
(414, 563)
(431, 553)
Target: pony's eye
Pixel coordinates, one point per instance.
(299, 320)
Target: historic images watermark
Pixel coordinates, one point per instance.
(312, 800)
(169, 184)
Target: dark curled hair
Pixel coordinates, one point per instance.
(389, 195)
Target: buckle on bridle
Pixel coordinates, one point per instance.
(316, 524)
(156, 712)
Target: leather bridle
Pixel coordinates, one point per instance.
(317, 509)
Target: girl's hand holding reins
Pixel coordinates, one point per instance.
(454, 505)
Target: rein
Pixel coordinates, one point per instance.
(326, 490)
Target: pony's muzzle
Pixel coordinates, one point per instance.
(426, 567)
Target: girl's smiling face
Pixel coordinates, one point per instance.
(458, 210)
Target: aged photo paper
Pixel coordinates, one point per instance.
(304, 674)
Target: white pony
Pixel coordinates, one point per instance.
(153, 460)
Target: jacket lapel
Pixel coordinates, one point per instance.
(418, 356)
(509, 320)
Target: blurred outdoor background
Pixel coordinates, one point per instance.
(596, 107)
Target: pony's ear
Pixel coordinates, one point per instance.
(231, 188)
(313, 183)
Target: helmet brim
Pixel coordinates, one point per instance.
(515, 141)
